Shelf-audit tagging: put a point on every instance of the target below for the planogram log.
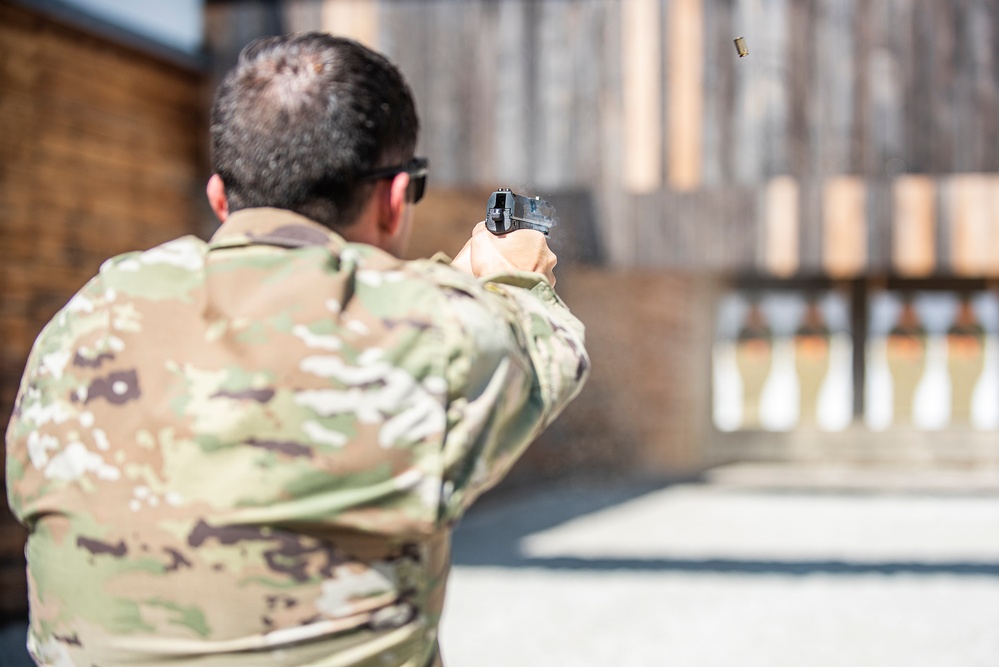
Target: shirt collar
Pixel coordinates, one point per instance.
(275, 227)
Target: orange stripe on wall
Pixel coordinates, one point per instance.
(781, 254)
(973, 205)
(356, 19)
(641, 68)
(685, 60)
(844, 205)
(914, 226)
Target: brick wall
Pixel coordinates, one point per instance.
(101, 153)
(645, 407)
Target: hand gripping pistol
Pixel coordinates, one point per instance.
(507, 212)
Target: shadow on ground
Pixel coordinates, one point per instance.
(490, 535)
(13, 652)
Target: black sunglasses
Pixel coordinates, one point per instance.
(417, 168)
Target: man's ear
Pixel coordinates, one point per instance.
(389, 222)
(216, 197)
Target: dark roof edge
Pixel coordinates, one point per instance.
(74, 17)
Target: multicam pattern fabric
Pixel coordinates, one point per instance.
(252, 451)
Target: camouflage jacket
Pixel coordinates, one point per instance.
(256, 447)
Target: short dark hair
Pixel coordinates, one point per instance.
(301, 116)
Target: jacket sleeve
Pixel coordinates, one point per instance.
(516, 357)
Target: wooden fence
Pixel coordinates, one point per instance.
(858, 136)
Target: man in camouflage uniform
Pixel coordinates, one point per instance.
(252, 451)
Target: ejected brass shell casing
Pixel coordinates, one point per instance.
(740, 47)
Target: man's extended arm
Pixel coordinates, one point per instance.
(517, 358)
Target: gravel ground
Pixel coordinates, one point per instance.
(717, 575)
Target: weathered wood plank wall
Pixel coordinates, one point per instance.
(646, 104)
(100, 153)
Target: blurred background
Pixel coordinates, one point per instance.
(787, 263)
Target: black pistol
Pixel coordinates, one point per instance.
(507, 212)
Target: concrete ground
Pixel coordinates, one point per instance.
(752, 566)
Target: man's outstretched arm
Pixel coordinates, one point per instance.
(517, 359)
